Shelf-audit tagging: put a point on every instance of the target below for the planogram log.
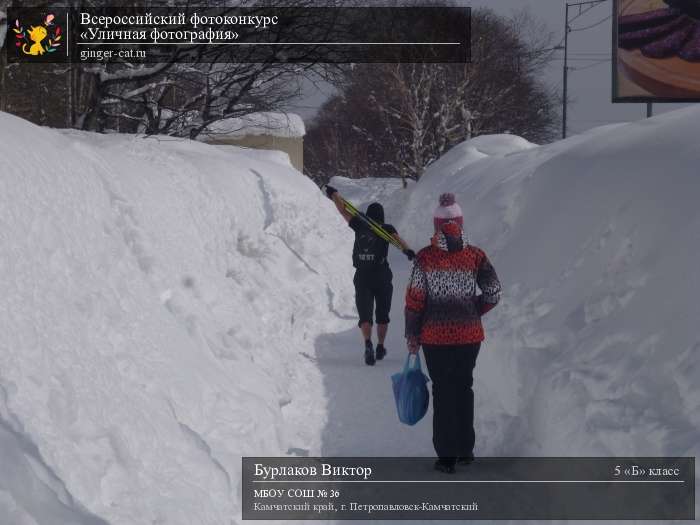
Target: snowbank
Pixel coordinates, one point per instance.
(594, 349)
(499, 145)
(275, 124)
(159, 300)
(478, 148)
(363, 192)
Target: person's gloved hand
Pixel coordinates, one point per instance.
(330, 190)
(413, 345)
(410, 254)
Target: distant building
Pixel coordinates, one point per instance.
(272, 131)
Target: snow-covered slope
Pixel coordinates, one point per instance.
(594, 349)
(363, 192)
(159, 303)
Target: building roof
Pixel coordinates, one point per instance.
(265, 123)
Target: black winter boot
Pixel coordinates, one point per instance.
(465, 460)
(381, 352)
(369, 353)
(445, 465)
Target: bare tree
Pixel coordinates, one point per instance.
(190, 88)
(407, 115)
(198, 85)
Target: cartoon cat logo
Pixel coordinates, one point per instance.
(37, 35)
(31, 41)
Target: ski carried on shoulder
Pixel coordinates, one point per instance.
(373, 225)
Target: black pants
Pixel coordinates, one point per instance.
(373, 286)
(450, 369)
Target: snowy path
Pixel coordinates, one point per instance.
(362, 417)
(362, 420)
(593, 349)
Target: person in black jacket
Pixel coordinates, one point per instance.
(373, 277)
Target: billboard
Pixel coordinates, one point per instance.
(656, 51)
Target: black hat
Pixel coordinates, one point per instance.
(375, 211)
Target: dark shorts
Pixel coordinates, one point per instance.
(373, 288)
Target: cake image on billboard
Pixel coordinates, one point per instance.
(658, 50)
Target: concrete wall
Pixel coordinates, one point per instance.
(292, 146)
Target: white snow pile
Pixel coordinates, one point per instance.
(499, 145)
(594, 348)
(159, 302)
(363, 192)
(286, 125)
(478, 148)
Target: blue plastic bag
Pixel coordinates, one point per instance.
(410, 392)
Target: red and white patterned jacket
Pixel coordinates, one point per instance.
(442, 305)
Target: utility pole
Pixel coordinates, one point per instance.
(567, 29)
(3, 68)
(69, 76)
(566, 71)
(3, 90)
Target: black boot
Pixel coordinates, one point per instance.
(445, 465)
(381, 352)
(369, 353)
(466, 460)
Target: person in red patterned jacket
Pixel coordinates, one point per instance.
(443, 315)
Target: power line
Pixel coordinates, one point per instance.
(581, 13)
(592, 25)
(593, 59)
(590, 65)
(602, 120)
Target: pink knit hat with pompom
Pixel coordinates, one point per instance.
(447, 211)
